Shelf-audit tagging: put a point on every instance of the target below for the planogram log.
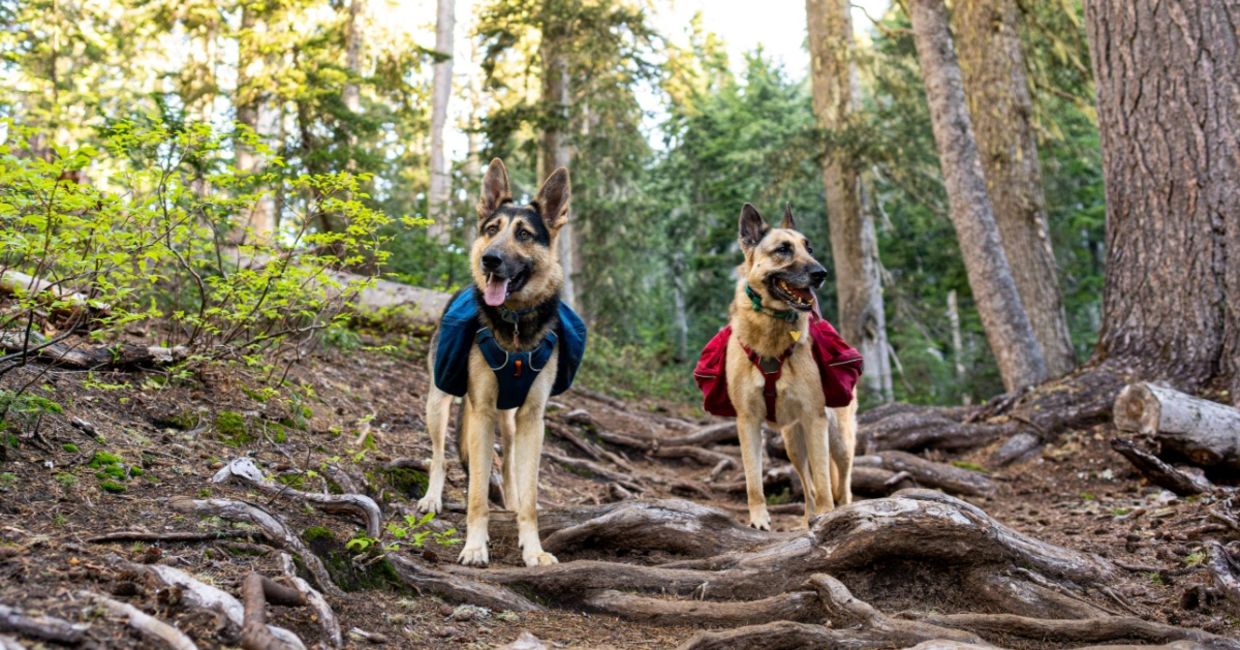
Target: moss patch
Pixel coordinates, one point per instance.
(339, 562)
(408, 482)
(232, 428)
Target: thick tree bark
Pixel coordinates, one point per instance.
(990, 277)
(1168, 77)
(555, 151)
(992, 61)
(441, 90)
(854, 246)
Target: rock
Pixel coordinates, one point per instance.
(525, 641)
(469, 613)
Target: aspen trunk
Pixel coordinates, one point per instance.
(555, 153)
(441, 90)
(990, 277)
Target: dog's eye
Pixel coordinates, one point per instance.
(809, 250)
(492, 229)
(523, 234)
(784, 249)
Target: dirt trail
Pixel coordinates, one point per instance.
(363, 410)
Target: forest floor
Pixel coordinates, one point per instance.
(363, 409)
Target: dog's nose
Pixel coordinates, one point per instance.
(817, 277)
(491, 261)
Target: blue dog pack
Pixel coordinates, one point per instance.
(461, 329)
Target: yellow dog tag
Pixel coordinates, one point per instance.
(796, 335)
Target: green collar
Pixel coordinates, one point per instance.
(787, 315)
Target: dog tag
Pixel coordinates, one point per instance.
(796, 335)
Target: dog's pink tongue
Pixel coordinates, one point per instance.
(496, 291)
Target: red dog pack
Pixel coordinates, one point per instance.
(839, 367)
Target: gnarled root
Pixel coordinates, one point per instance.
(245, 471)
(316, 601)
(272, 528)
(256, 591)
(146, 625)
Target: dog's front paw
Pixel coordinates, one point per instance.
(431, 503)
(474, 555)
(541, 558)
(760, 519)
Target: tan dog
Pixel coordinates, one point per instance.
(517, 278)
(770, 316)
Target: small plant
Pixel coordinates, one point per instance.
(1194, 559)
(416, 531)
(66, 480)
(112, 472)
(7, 481)
(784, 496)
(70, 447)
(972, 467)
(231, 426)
(1088, 496)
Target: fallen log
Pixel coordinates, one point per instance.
(18, 283)
(1160, 473)
(244, 470)
(916, 430)
(73, 356)
(1208, 433)
(271, 526)
(48, 628)
(148, 626)
(926, 473)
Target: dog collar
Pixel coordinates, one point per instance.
(787, 315)
(513, 316)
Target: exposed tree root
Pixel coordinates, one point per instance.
(148, 626)
(272, 528)
(790, 606)
(48, 628)
(1160, 473)
(316, 601)
(1223, 571)
(200, 595)
(245, 471)
(457, 588)
(781, 635)
(671, 525)
(256, 591)
(843, 609)
(1087, 630)
(10, 643)
(595, 469)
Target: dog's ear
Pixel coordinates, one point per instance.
(788, 222)
(553, 199)
(752, 227)
(495, 190)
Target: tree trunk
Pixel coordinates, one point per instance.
(990, 278)
(556, 153)
(854, 247)
(1168, 77)
(441, 88)
(259, 226)
(353, 57)
(993, 64)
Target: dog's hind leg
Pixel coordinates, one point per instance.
(749, 429)
(479, 422)
(817, 445)
(794, 445)
(527, 448)
(438, 412)
(843, 448)
(507, 434)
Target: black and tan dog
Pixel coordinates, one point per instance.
(779, 359)
(506, 344)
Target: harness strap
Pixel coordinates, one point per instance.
(771, 369)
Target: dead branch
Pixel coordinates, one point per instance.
(707, 435)
(1222, 570)
(48, 628)
(177, 536)
(244, 470)
(593, 468)
(256, 591)
(146, 625)
(316, 601)
(1160, 473)
(700, 455)
(1018, 446)
(918, 429)
(272, 528)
